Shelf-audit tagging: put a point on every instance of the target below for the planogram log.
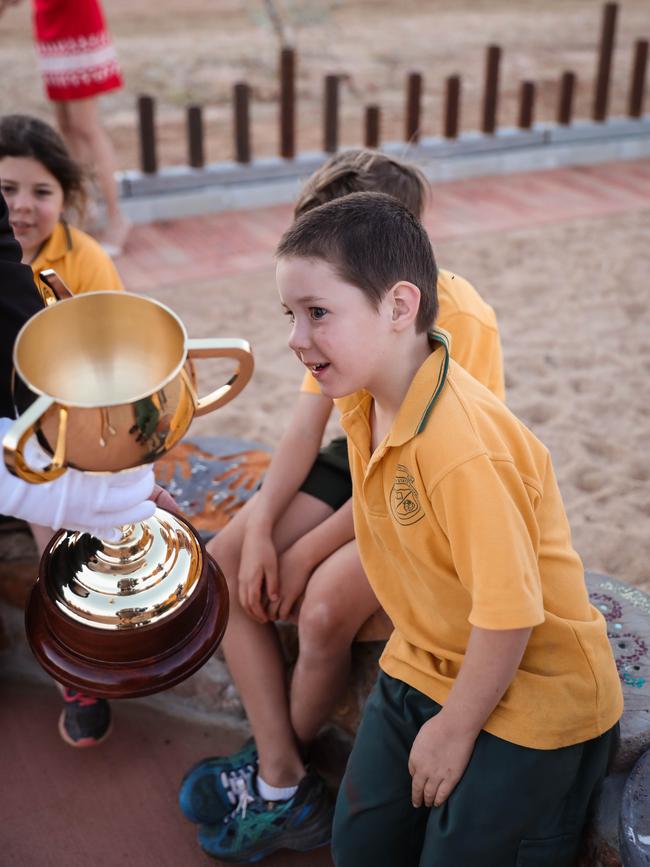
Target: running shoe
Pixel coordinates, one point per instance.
(256, 828)
(85, 721)
(209, 789)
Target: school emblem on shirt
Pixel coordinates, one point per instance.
(404, 499)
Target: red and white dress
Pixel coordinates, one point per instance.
(76, 53)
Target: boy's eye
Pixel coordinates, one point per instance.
(317, 312)
(42, 194)
(288, 313)
(7, 189)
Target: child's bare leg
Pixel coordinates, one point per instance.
(337, 603)
(252, 649)
(89, 143)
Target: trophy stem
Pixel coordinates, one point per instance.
(141, 578)
(120, 636)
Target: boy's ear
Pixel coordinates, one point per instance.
(405, 300)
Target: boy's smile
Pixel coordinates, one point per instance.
(336, 332)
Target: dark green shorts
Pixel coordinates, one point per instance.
(329, 479)
(513, 807)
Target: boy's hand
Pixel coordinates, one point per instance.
(163, 499)
(258, 574)
(438, 759)
(294, 568)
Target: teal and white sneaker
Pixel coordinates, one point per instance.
(257, 828)
(209, 791)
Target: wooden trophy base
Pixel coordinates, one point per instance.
(127, 662)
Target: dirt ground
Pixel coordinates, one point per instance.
(193, 51)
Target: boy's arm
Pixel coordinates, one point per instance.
(291, 462)
(299, 561)
(444, 744)
(329, 535)
(293, 458)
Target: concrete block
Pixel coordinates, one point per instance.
(634, 832)
(590, 131)
(627, 613)
(600, 843)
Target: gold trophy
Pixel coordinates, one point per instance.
(105, 381)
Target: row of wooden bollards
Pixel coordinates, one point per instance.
(413, 109)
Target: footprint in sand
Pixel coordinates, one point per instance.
(548, 387)
(580, 385)
(600, 449)
(589, 480)
(538, 413)
(634, 310)
(639, 471)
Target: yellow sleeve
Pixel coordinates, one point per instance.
(477, 348)
(309, 384)
(487, 515)
(91, 268)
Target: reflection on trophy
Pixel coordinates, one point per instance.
(105, 382)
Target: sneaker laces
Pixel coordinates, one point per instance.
(71, 696)
(244, 796)
(230, 781)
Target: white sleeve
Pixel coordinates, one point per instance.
(92, 503)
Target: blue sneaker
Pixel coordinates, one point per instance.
(209, 790)
(257, 828)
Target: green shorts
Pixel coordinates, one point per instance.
(513, 807)
(329, 479)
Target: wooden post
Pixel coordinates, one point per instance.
(195, 154)
(452, 106)
(637, 85)
(491, 93)
(331, 114)
(527, 104)
(372, 122)
(608, 31)
(287, 103)
(565, 102)
(413, 106)
(241, 100)
(147, 129)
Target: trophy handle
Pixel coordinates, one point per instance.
(21, 430)
(225, 347)
(51, 287)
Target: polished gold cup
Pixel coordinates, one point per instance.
(105, 381)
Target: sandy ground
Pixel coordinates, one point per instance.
(572, 304)
(184, 51)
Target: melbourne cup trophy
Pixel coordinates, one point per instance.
(105, 383)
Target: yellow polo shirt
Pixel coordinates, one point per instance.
(78, 260)
(475, 342)
(460, 523)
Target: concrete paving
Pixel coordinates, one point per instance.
(183, 252)
(114, 804)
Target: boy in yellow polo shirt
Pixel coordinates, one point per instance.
(498, 697)
(291, 554)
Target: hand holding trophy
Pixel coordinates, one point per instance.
(105, 382)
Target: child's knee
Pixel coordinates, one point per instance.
(225, 551)
(323, 626)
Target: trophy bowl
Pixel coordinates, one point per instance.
(105, 382)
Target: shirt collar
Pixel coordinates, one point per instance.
(421, 396)
(423, 392)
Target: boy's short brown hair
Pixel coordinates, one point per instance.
(372, 241)
(364, 171)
